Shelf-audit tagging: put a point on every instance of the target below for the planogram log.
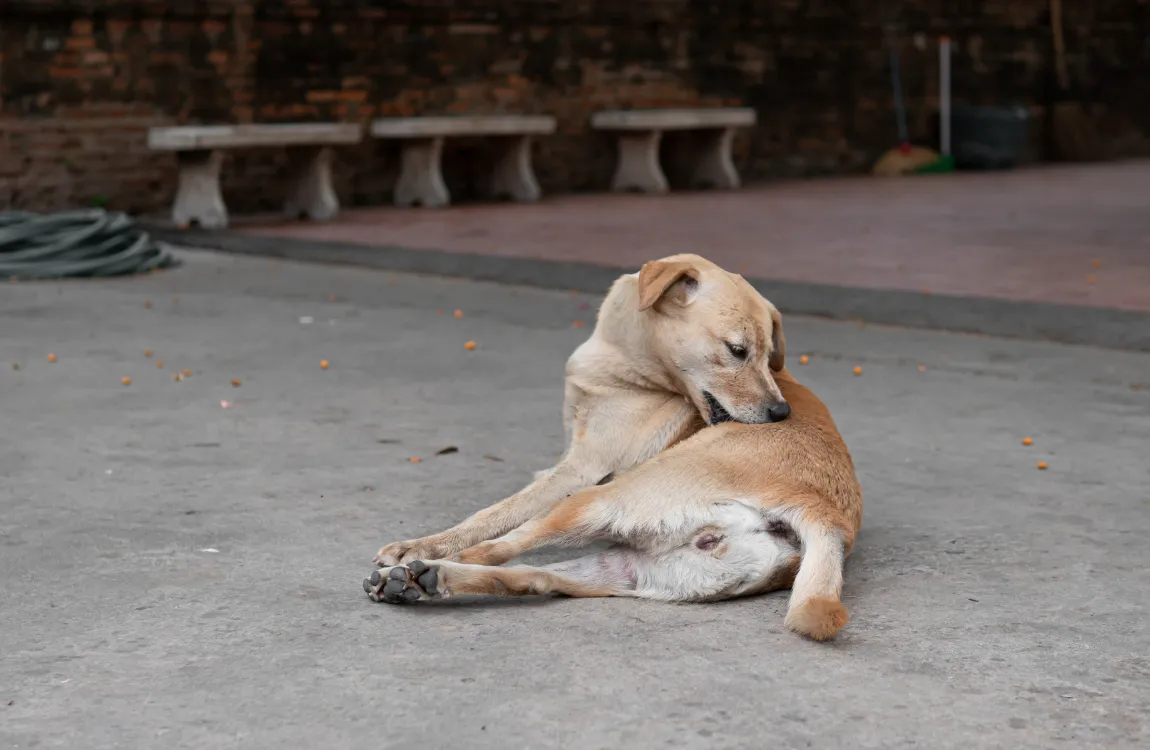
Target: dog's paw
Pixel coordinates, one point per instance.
(403, 584)
(415, 549)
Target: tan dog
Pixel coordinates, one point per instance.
(696, 515)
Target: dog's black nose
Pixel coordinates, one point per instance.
(778, 412)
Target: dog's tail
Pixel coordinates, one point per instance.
(815, 610)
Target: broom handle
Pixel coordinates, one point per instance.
(944, 95)
(900, 111)
(1059, 44)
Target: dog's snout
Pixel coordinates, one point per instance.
(778, 411)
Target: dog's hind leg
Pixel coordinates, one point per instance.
(609, 573)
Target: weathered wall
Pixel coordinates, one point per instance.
(81, 81)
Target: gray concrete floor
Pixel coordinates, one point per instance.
(176, 574)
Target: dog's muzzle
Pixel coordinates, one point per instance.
(718, 413)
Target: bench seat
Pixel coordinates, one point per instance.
(421, 177)
(199, 149)
(704, 156)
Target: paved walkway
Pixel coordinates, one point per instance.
(175, 574)
(1070, 235)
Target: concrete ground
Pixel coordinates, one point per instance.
(177, 574)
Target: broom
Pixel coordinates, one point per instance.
(1073, 134)
(906, 159)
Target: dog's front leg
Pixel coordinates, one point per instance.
(576, 471)
(616, 434)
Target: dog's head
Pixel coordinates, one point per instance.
(722, 340)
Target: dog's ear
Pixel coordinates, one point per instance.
(656, 277)
(778, 358)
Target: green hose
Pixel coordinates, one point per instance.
(76, 243)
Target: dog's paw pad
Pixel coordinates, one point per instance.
(403, 583)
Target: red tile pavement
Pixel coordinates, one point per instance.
(1074, 235)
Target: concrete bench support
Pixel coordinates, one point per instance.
(421, 176)
(199, 150)
(704, 155)
(311, 195)
(198, 197)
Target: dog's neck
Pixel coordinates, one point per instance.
(623, 326)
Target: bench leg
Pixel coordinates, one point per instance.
(713, 166)
(514, 178)
(198, 198)
(420, 177)
(311, 194)
(638, 167)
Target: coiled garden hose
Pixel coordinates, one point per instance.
(76, 243)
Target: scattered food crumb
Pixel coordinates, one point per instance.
(804, 359)
(922, 368)
(331, 298)
(1027, 441)
(148, 304)
(1096, 263)
(415, 459)
(160, 363)
(17, 367)
(470, 345)
(578, 324)
(1091, 279)
(857, 370)
(323, 364)
(225, 404)
(126, 380)
(187, 373)
(459, 313)
(306, 320)
(148, 353)
(236, 383)
(1042, 465)
(51, 357)
(178, 376)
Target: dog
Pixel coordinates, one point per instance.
(764, 498)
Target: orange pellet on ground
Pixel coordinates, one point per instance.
(51, 357)
(159, 363)
(187, 373)
(331, 298)
(1091, 279)
(922, 368)
(147, 303)
(323, 364)
(459, 313)
(1027, 441)
(469, 345)
(578, 324)
(804, 359)
(126, 381)
(857, 370)
(415, 459)
(1096, 263)
(148, 353)
(235, 382)
(1042, 465)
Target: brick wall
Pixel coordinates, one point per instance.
(81, 81)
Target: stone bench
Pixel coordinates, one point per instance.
(421, 177)
(200, 153)
(704, 157)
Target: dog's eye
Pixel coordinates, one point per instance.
(738, 352)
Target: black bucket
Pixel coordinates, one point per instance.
(988, 137)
